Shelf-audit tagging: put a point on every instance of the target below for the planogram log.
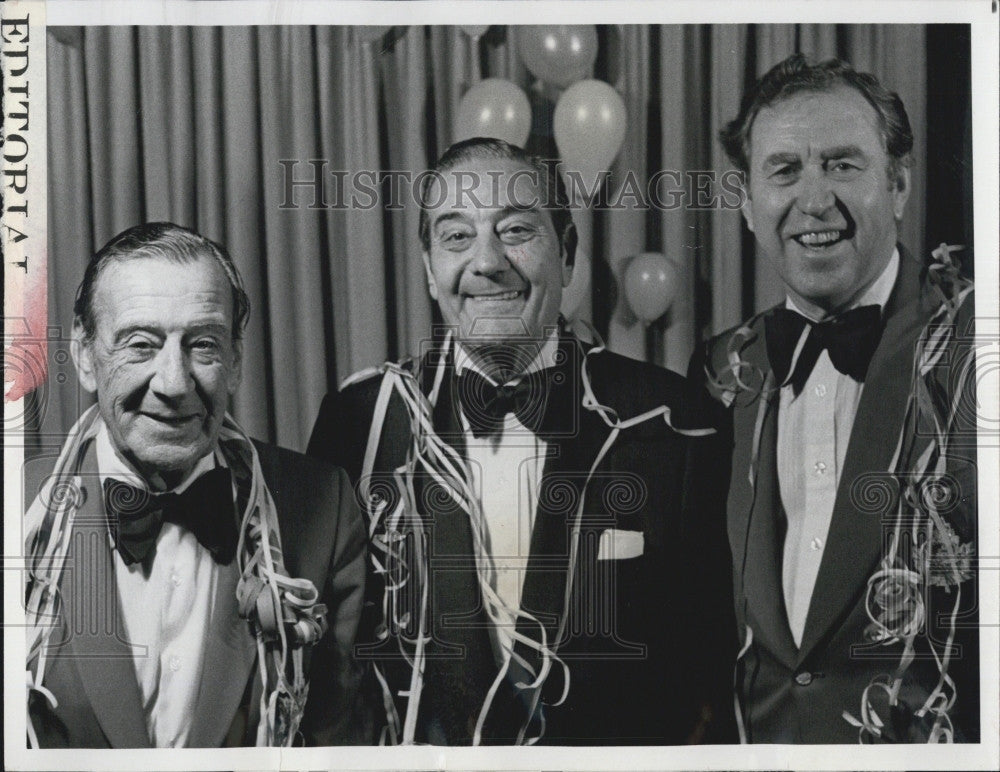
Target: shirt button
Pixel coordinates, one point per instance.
(820, 468)
(803, 679)
(820, 390)
(816, 544)
(175, 663)
(175, 579)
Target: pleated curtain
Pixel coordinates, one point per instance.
(193, 125)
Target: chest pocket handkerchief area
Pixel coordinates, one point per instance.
(617, 544)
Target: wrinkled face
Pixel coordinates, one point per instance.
(821, 204)
(163, 361)
(496, 266)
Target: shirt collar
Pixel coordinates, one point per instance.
(546, 357)
(876, 295)
(110, 464)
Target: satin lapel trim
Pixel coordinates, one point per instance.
(228, 664)
(456, 597)
(547, 581)
(754, 508)
(855, 538)
(98, 643)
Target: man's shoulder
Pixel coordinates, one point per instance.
(716, 352)
(361, 389)
(285, 464)
(632, 387)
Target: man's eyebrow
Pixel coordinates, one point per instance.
(512, 209)
(843, 151)
(206, 326)
(447, 217)
(781, 159)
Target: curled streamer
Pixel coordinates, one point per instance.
(625, 495)
(395, 547)
(64, 492)
(738, 380)
(974, 371)
(436, 498)
(873, 493)
(897, 604)
(557, 496)
(125, 499)
(942, 493)
(382, 493)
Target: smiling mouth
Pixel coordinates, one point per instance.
(820, 239)
(169, 420)
(497, 296)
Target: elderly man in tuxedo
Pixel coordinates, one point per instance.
(186, 583)
(540, 514)
(852, 508)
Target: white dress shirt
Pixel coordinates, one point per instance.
(813, 431)
(167, 611)
(506, 471)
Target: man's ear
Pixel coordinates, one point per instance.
(83, 358)
(747, 205)
(432, 286)
(900, 190)
(568, 244)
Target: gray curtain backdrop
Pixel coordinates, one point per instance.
(191, 124)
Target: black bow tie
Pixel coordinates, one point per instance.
(850, 339)
(135, 516)
(537, 400)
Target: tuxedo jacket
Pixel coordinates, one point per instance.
(793, 694)
(645, 634)
(89, 667)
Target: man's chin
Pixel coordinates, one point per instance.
(495, 330)
(170, 463)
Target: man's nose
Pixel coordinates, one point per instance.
(489, 256)
(815, 196)
(172, 377)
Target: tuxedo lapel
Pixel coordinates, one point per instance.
(578, 436)
(460, 665)
(229, 658)
(755, 512)
(855, 539)
(98, 644)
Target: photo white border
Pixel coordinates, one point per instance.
(986, 128)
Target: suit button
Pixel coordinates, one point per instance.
(803, 679)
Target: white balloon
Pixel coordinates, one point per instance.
(475, 30)
(589, 127)
(650, 285)
(494, 108)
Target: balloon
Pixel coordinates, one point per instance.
(370, 33)
(589, 126)
(579, 286)
(560, 54)
(494, 108)
(475, 30)
(650, 285)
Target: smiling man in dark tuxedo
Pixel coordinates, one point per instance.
(852, 508)
(176, 566)
(550, 570)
